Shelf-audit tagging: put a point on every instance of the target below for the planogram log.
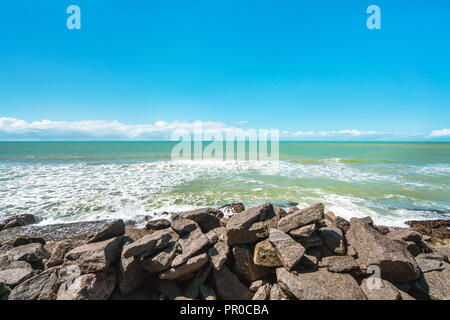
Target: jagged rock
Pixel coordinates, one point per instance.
(23, 240)
(439, 229)
(4, 290)
(310, 242)
(193, 289)
(97, 256)
(320, 285)
(303, 232)
(279, 212)
(158, 224)
(182, 225)
(337, 221)
(437, 255)
(206, 218)
(263, 293)
(254, 286)
(42, 286)
(14, 277)
(373, 248)
(334, 239)
(207, 293)
(148, 243)
(435, 284)
(191, 244)
(91, 286)
(218, 254)
(386, 291)
(250, 225)
(308, 262)
(160, 261)
(58, 253)
(339, 264)
(288, 251)
(276, 293)
(131, 274)
(6, 262)
(216, 235)
(265, 255)
(18, 221)
(233, 207)
(244, 265)
(427, 265)
(33, 252)
(114, 228)
(298, 218)
(192, 265)
(229, 287)
(404, 235)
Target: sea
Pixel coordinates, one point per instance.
(391, 182)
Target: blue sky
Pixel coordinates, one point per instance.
(311, 69)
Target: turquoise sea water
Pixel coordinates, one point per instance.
(72, 181)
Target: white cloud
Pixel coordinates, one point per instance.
(440, 133)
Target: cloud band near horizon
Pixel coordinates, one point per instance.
(12, 129)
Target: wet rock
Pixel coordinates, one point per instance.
(131, 274)
(18, 221)
(404, 235)
(265, 255)
(373, 248)
(148, 243)
(42, 286)
(95, 256)
(435, 284)
(91, 286)
(339, 264)
(192, 291)
(298, 218)
(320, 285)
(310, 242)
(250, 225)
(333, 238)
(439, 229)
(207, 293)
(303, 232)
(218, 254)
(114, 228)
(386, 290)
(160, 261)
(191, 244)
(206, 218)
(192, 265)
(276, 293)
(33, 252)
(159, 224)
(229, 287)
(263, 293)
(288, 251)
(233, 207)
(244, 265)
(14, 277)
(58, 253)
(182, 225)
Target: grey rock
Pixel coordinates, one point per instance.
(14, 277)
(386, 291)
(404, 235)
(23, 240)
(276, 293)
(216, 234)
(58, 253)
(19, 221)
(229, 287)
(254, 286)
(131, 274)
(298, 218)
(92, 286)
(148, 243)
(263, 293)
(218, 254)
(6, 262)
(339, 264)
(206, 218)
(182, 225)
(192, 265)
(192, 291)
(303, 232)
(42, 286)
(288, 251)
(160, 261)
(191, 244)
(114, 228)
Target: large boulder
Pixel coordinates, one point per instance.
(301, 217)
(112, 229)
(265, 255)
(42, 286)
(18, 221)
(160, 261)
(435, 284)
(95, 256)
(229, 287)
(92, 286)
(192, 291)
(218, 254)
(385, 291)
(14, 277)
(148, 243)
(373, 248)
(250, 225)
(158, 224)
(288, 251)
(131, 274)
(33, 252)
(192, 265)
(206, 218)
(191, 243)
(58, 253)
(320, 285)
(244, 265)
(333, 238)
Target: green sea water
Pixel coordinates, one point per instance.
(71, 181)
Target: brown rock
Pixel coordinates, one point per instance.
(435, 284)
(6, 262)
(169, 289)
(320, 285)
(233, 207)
(191, 243)
(265, 255)
(193, 289)
(298, 218)
(216, 235)
(288, 251)
(310, 242)
(192, 265)
(276, 293)
(131, 274)
(254, 286)
(18, 221)
(404, 235)
(160, 261)
(206, 218)
(33, 252)
(42, 286)
(182, 225)
(218, 254)
(148, 243)
(114, 228)
(435, 228)
(23, 240)
(58, 253)
(339, 264)
(386, 291)
(229, 287)
(14, 277)
(159, 224)
(373, 248)
(263, 293)
(92, 286)
(244, 265)
(303, 232)
(95, 256)
(333, 238)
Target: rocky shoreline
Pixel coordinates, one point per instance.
(258, 253)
